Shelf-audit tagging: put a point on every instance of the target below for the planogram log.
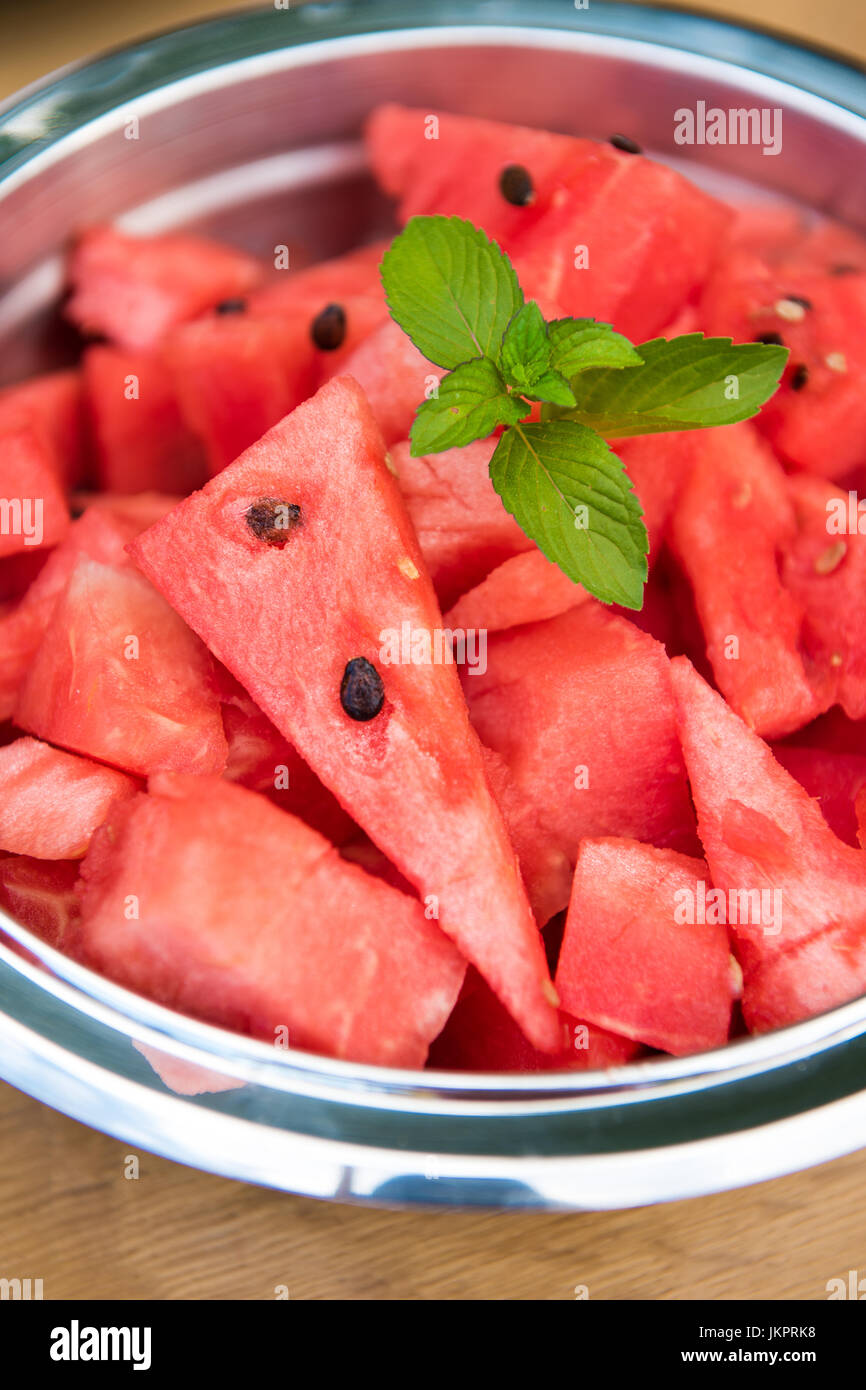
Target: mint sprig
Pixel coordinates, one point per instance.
(456, 295)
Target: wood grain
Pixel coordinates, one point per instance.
(70, 1217)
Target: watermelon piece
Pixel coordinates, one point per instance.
(636, 957)
(185, 1078)
(406, 764)
(119, 677)
(821, 973)
(100, 534)
(51, 802)
(834, 248)
(40, 894)
(482, 1036)
(53, 405)
(659, 466)
(351, 281)
(34, 511)
(394, 376)
(235, 376)
(17, 572)
(142, 443)
(241, 920)
(834, 732)
(523, 589)
(580, 709)
(260, 758)
(825, 572)
(133, 511)
(833, 779)
(764, 837)
(133, 289)
(651, 235)
(463, 529)
(545, 868)
(771, 230)
(817, 418)
(732, 517)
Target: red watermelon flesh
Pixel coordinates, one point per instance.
(119, 677)
(135, 511)
(824, 569)
(636, 957)
(100, 534)
(235, 376)
(833, 779)
(51, 802)
(817, 418)
(833, 731)
(34, 511)
(659, 466)
(134, 289)
(18, 572)
(394, 376)
(463, 529)
(580, 709)
(288, 619)
(835, 248)
(771, 230)
(545, 868)
(731, 519)
(523, 589)
(242, 914)
(482, 1036)
(821, 973)
(53, 405)
(762, 833)
(259, 757)
(40, 894)
(351, 281)
(142, 443)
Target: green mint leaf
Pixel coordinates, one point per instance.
(577, 344)
(472, 401)
(571, 495)
(525, 352)
(688, 383)
(551, 386)
(450, 288)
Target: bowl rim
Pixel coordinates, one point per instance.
(784, 1050)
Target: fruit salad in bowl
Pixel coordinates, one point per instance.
(447, 655)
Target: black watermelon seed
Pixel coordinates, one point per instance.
(231, 306)
(271, 519)
(799, 377)
(845, 270)
(800, 299)
(515, 185)
(328, 328)
(362, 693)
(771, 339)
(625, 143)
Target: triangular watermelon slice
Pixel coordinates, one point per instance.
(53, 405)
(636, 957)
(203, 896)
(35, 513)
(51, 802)
(395, 378)
(120, 678)
(299, 567)
(764, 837)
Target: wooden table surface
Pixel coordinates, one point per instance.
(70, 1217)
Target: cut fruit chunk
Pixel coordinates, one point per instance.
(235, 376)
(462, 527)
(764, 837)
(824, 569)
(481, 1035)
(33, 510)
(639, 955)
(305, 615)
(732, 517)
(394, 376)
(142, 443)
(40, 894)
(134, 289)
(523, 589)
(51, 802)
(248, 918)
(53, 405)
(580, 709)
(118, 676)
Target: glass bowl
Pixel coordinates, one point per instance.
(248, 129)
